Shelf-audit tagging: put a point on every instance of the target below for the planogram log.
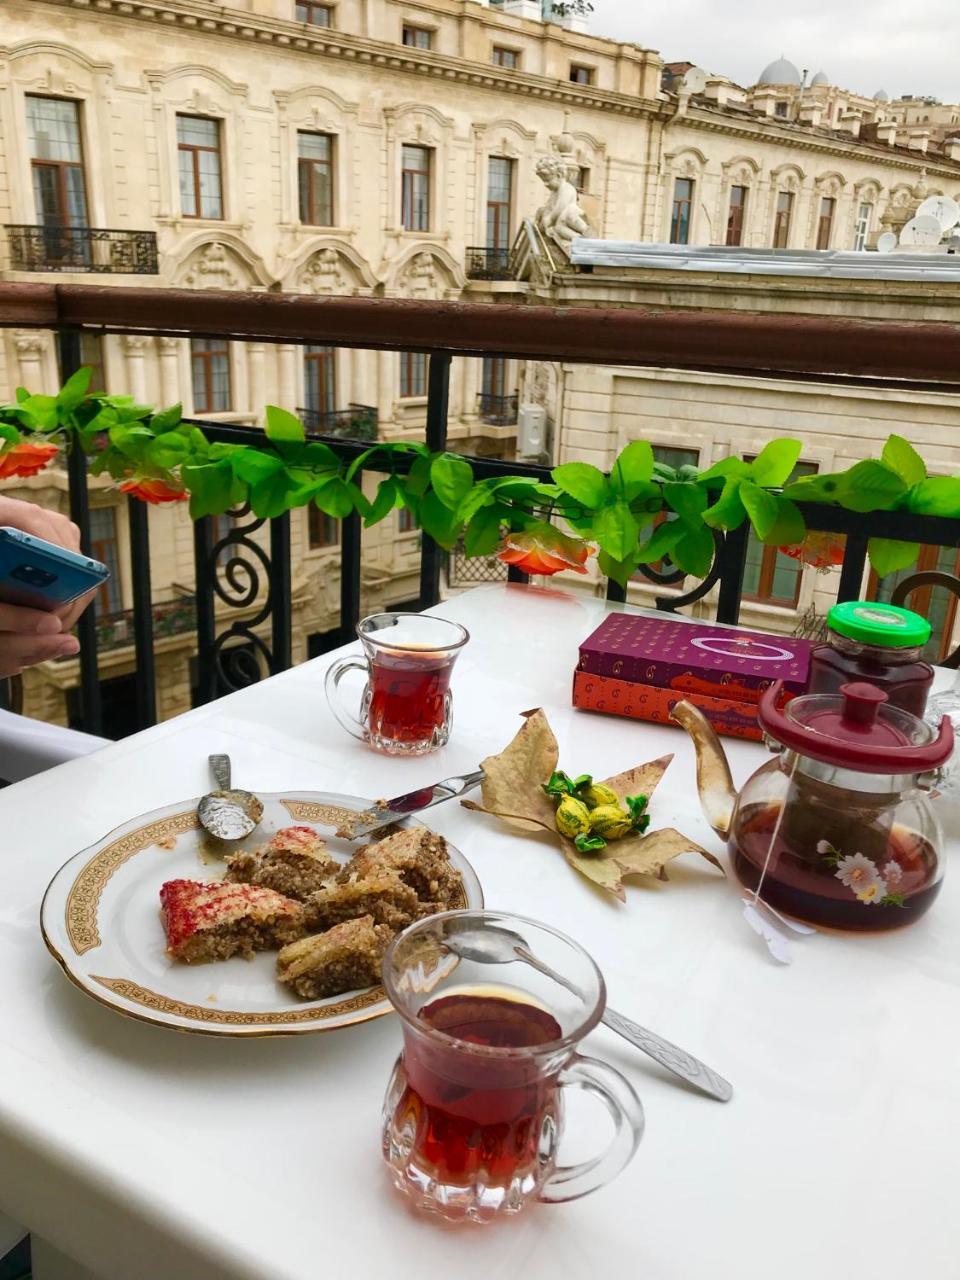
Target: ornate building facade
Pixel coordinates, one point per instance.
(380, 148)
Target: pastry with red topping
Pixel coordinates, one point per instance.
(295, 863)
(218, 920)
(345, 958)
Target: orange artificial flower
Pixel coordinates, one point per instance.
(544, 550)
(155, 491)
(821, 551)
(26, 459)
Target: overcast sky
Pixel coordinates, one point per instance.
(903, 46)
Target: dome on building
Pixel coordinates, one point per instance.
(780, 72)
(819, 78)
(881, 96)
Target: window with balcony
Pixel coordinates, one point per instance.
(499, 202)
(318, 15)
(416, 165)
(735, 215)
(320, 380)
(828, 207)
(504, 57)
(322, 530)
(862, 229)
(782, 218)
(104, 547)
(417, 37)
(198, 159)
(413, 374)
(56, 161)
(210, 375)
(680, 215)
(580, 74)
(769, 576)
(315, 178)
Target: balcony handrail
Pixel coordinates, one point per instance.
(895, 355)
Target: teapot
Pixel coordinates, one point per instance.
(837, 829)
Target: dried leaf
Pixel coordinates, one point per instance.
(717, 792)
(634, 856)
(512, 788)
(513, 791)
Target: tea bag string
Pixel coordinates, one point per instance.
(775, 833)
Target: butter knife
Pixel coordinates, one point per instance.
(386, 812)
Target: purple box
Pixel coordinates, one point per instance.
(694, 658)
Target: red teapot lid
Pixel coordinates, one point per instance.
(856, 730)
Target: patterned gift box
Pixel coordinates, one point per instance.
(692, 660)
(731, 716)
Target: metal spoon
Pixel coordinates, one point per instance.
(228, 814)
(496, 945)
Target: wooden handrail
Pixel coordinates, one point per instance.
(758, 345)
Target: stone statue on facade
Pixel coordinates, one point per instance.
(560, 219)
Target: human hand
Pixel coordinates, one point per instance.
(29, 636)
(30, 518)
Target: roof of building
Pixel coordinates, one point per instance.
(881, 96)
(820, 78)
(781, 71)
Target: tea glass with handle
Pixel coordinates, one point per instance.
(473, 1116)
(406, 708)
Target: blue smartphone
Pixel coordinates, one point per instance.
(41, 575)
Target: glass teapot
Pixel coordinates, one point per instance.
(838, 829)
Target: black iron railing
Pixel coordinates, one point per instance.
(356, 422)
(83, 249)
(176, 617)
(499, 411)
(250, 634)
(488, 264)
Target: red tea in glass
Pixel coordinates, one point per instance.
(473, 1116)
(407, 706)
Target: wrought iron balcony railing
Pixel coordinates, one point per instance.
(488, 264)
(170, 618)
(249, 631)
(83, 249)
(356, 422)
(499, 411)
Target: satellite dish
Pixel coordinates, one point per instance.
(923, 229)
(887, 242)
(943, 208)
(694, 80)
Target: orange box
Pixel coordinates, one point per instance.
(736, 719)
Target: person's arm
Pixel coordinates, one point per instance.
(29, 636)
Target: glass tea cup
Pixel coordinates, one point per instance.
(473, 1115)
(407, 705)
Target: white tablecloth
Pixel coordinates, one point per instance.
(146, 1153)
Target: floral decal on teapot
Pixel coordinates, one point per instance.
(870, 884)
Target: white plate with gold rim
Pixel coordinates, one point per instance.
(101, 921)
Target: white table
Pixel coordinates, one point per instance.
(143, 1153)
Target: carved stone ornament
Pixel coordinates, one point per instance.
(420, 278)
(29, 344)
(323, 273)
(134, 344)
(210, 269)
(561, 218)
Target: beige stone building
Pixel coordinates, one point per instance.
(382, 148)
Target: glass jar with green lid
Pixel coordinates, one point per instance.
(878, 643)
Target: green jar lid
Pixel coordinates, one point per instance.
(880, 624)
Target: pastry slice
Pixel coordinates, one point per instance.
(294, 863)
(218, 920)
(419, 857)
(345, 958)
(383, 896)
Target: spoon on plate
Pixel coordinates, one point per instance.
(494, 944)
(228, 813)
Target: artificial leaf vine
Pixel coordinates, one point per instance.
(641, 512)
